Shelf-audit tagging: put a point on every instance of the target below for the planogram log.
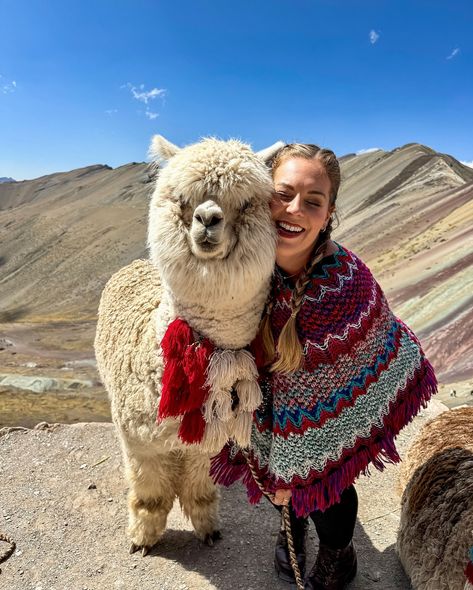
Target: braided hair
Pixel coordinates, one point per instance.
(289, 350)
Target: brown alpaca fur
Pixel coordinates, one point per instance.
(436, 528)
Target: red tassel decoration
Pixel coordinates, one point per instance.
(257, 350)
(183, 392)
(191, 430)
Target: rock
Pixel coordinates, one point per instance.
(80, 363)
(40, 384)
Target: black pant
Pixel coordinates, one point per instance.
(335, 525)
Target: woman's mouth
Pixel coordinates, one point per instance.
(288, 230)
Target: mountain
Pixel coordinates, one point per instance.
(63, 235)
(408, 213)
(6, 179)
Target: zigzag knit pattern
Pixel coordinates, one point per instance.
(363, 378)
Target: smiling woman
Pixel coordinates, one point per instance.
(302, 207)
(342, 376)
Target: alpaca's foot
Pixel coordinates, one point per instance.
(210, 538)
(207, 533)
(200, 498)
(147, 522)
(203, 512)
(144, 550)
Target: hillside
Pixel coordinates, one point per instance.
(408, 213)
(65, 234)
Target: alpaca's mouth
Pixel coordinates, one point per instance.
(206, 239)
(207, 245)
(207, 248)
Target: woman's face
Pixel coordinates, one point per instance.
(300, 208)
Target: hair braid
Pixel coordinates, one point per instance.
(289, 349)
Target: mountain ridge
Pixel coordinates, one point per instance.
(408, 213)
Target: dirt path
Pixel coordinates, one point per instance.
(66, 510)
(58, 341)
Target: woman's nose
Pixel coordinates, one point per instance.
(294, 206)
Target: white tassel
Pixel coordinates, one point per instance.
(226, 367)
(246, 364)
(216, 435)
(241, 432)
(218, 406)
(249, 394)
(229, 369)
(221, 370)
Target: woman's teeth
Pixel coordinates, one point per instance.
(288, 227)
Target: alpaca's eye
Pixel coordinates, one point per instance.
(245, 206)
(186, 213)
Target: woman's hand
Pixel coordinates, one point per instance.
(282, 497)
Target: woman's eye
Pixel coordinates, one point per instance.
(283, 196)
(313, 203)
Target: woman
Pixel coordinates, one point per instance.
(342, 375)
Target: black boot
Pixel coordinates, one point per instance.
(282, 561)
(333, 569)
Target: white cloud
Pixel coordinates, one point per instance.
(142, 95)
(374, 36)
(469, 164)
(455, 52)
(367, 151)
(139, 92)
(7, 87)
(111, 112)
(151, 115)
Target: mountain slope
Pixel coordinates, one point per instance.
(63, 235)
(408, 213)
(415, 231)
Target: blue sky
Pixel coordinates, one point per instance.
(86, 82)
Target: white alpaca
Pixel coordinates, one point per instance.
(436, 528)
(212, 251)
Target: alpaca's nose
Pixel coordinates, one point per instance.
(208, 214)
(208, 221)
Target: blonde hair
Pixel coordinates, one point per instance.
(289, 353)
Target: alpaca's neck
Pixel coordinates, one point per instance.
(233, 325)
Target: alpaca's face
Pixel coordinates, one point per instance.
(209, 233)
(210, 218)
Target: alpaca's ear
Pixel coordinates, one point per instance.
(268, 153)
(162, 149)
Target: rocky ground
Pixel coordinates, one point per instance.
(63, 500)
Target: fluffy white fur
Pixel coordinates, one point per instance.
(212, 250)
(436, 528)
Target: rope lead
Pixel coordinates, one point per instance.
(286, 520)
(8, 552)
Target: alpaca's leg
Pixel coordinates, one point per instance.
(151, 496)
(199, 497)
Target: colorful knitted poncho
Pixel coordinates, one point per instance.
(364, 377)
